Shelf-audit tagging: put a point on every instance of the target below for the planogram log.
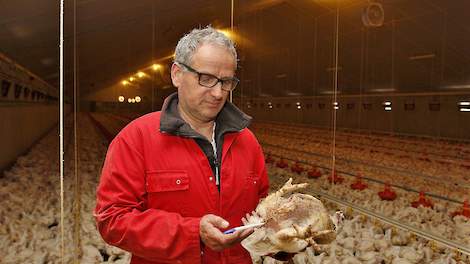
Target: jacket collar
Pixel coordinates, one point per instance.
(229, 119)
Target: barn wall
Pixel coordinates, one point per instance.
(447, 122)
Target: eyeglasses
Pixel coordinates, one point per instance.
(209, 80)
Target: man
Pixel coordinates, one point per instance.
(174, 180)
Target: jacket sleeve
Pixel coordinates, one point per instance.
(263, 175)
(124, 220)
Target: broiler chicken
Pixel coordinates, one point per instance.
(293, 222)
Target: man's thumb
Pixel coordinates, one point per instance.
(219, 222)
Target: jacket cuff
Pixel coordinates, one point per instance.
(196, 246)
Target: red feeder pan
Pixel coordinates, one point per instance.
(335, 178)
(387, 194)
(297, 168)
(358, 185)
(422, 201)
(282, 163)
(465, 210)
(314, 173)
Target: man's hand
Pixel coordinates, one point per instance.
(211, 236)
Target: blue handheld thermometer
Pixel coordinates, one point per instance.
(240, 228)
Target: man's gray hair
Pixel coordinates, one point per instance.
(188, 44)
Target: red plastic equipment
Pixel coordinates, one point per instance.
(297, 168)
(422, 201)
(388, 194)
(282, 163)
(465, 210)
(358, 184)
(269, 160)
(314, 173)
(335, 178)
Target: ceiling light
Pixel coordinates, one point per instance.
(459, 86)
(125, 82)
(121, 98)
(294, 94)
(138, 99)
(329, 92)
(226, 32)
(422, 56)
(156, 67)
(329, 69)
(129, 100)
(383, 90)
(131, 79)
(141, 74)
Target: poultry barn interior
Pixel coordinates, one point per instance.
(367, 101)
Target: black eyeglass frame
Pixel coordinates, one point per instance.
(234, 79)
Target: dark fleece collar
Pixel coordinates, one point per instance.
(230, 119)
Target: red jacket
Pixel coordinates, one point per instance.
(156, 186)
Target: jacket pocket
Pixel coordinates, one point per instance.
(167, 181)
(168, 190)
(251, 193)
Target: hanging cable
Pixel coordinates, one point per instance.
(77, 189)
(231, 30)
(242, 74)
(315, 57)
(154, 72)
(335, 102)
(443, 61)
(393, 54)
(231, 17)
(392, 73)
(361, 78)
(61, 128)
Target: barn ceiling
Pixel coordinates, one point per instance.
(286, 47)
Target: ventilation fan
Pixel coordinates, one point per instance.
(373, 15)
